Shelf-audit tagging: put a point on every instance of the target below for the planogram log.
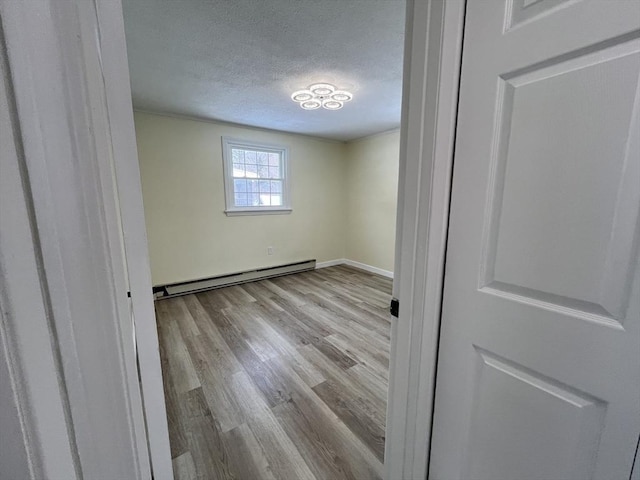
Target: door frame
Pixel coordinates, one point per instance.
(115, 68)
(432, 61)
(66, 102)
(433, 56)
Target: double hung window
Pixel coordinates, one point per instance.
(256, 178)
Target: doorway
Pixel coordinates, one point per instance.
(244, 181)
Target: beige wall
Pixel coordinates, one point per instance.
(343, 198)
(189, 235)
(371, 196)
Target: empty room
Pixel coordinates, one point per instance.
(268, 142)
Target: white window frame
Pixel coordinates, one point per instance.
(227, 161)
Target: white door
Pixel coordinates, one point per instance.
(539, 363)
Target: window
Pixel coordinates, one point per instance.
(256, 178)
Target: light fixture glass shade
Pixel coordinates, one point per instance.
(341, 96)
(301, 96)
(311, 104)
(321, 95)
(322, 89)
(330, 104)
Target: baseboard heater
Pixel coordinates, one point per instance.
(185, 288)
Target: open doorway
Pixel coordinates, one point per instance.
(271, 227)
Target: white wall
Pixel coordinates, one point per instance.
(189, 234)
(371, 199)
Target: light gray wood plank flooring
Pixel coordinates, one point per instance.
(283, 378)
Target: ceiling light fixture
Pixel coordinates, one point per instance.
(332, 104)
(302, 96)
(322, 89)
(322, 95)
(311, 104)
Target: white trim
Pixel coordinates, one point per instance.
(262, 211)
(353, 263)
(432, 64)
(67, 175)
(117, 93)
(368, 268)
(330, 263)
(26, 330)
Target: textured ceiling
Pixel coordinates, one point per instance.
(239, 61)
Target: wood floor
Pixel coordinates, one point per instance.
(279, 379)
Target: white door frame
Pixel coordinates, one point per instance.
(25, 332)
(74, 150)
(434, 40)
(433, 54)
(115, 69)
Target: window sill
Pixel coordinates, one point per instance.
(258, 211)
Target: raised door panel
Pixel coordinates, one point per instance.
(563, 210)
(522, 11)
(538, 427)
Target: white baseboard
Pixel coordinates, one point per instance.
(330, 263)
(368, 268)
(353, 263)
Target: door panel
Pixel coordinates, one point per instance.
(515, 408)
(544, 244)
(539, 364)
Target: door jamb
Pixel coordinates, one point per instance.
(433, 55)
(129, 192)
(67, 160)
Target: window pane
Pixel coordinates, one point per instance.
(252, 171)
(265, 186)
(252, 186)
(239, 186)
(249, 156)
(265, 199)
(254, 199)
(241, 200)
(263, 171)
(276, 186)
(274, 160)
(238, 169)
(276, 200)
(263, 158)
(274, 172)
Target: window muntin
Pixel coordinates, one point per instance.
(256, 177)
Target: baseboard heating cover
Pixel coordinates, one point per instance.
(184, 288)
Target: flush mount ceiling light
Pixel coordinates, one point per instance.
(322, 89)
(311, 104)
(332, 104)
(302, 96)
(322, 95)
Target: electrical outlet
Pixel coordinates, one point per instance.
(269, 250)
